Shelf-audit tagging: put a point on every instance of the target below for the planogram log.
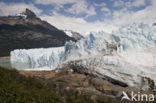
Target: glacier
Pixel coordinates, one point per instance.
(40, 59)
(127, 55)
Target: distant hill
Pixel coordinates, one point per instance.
(26, 30)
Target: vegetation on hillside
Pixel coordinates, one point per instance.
(16, 88)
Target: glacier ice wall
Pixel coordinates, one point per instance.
(129, 39)
(45, 59)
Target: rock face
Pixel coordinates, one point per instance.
(26, 30)
(29, 14)
(83, 70)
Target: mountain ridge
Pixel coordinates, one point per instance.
(26, 31)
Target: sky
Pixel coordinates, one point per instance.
(85, 15)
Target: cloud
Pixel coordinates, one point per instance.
(118, 3)
(138, 3)
(14, 8)
(55, 2)
(126, 16)
(77, 24)
(100, 5)
(105, 10)
(119, 18)
(129, 4)
(78, 6)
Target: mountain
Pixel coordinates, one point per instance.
(124, 56)
(75, 35)
(26, 30)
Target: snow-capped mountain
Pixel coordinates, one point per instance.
(126, 55)
(75, 35)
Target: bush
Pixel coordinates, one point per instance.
(15, 88)
(151, 84)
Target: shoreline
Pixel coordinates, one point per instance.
(4, 57)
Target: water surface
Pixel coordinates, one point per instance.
(5, 62)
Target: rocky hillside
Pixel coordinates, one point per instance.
(26, 30)
(98, 89)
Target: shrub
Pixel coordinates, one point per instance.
(15, 88)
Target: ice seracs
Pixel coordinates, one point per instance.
(124, 55)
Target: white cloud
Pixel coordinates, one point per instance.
(77, 24)
(14, 8)
(55, 2)
(105, 10)
(129, 4)
(118, 3)
(125, 16)
(135, 3)
(120, 17)
(138, 3)
(81, 7)
(101, 4)
(78, 6)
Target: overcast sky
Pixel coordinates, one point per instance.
(85, 15)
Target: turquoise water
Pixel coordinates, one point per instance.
(5, 62)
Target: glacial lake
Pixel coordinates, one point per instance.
(5, 62)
